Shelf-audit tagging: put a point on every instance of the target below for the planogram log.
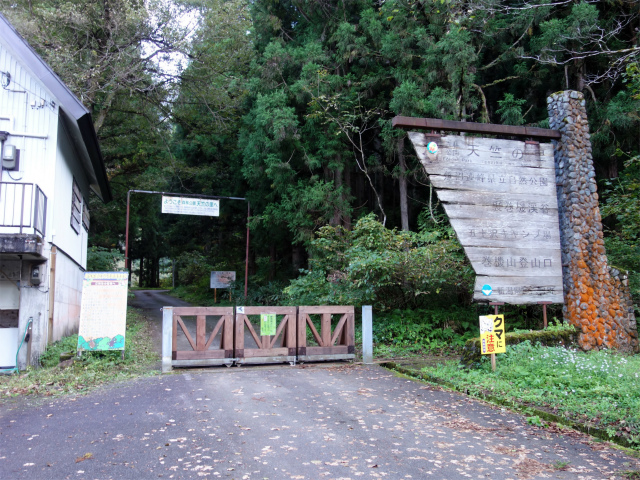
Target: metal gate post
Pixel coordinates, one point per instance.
(167, 334)
(367, 334)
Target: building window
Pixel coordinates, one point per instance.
(85, 214)
(76, 207)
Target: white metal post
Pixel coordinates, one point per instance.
(167, 335)
(367, 334)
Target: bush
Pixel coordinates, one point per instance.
(423, 330)
(386, 268)
(100, 259)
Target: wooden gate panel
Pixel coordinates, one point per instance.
(264, 348)
(333, 344)
(200, 340)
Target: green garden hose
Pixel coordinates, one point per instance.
(9, 371)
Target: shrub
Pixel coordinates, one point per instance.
(384, 267)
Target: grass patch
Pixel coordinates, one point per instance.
(91, 370)
(597, 389)
(411, 333)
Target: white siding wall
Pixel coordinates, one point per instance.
(68, 293)
(67, 168)
(48, 159)
(25, 125)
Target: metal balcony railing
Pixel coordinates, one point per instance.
(23, 207)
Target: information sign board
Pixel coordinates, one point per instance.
(191, 206)
(222, 279)
(103, 311)
(267, 324)
(500, 196)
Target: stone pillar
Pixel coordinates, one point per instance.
(597, 300)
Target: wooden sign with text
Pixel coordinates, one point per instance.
(500, 196)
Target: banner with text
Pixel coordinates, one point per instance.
(191, 206)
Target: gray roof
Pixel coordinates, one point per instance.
(75, 115)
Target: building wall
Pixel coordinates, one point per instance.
(67, 297)
(67, 168)
(47, 159)
(34, 303)
(30, 115)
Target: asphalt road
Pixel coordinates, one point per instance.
(283, 422)
(322, 421)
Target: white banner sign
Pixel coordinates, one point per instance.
(191, 206)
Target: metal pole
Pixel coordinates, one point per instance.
(126, 236)
(246, 261)
(367, 334)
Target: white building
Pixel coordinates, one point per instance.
(51, 160)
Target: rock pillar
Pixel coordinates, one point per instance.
(597, 297)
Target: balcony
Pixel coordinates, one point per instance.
(23, 219)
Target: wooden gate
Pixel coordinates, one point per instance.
(202, 336)
(337, 343)
(266, 349)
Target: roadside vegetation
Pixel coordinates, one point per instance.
(598, 389)
(91, 370)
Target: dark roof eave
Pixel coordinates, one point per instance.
(85, 123)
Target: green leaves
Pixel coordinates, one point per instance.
(389, 268)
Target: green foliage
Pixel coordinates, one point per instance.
(100, 259)
(403, 332)
(89, 371)
(621, 201)
(510, 110)
(384, 267)
(597, 388)
(51, 357)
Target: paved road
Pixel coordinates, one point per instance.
(283, 422)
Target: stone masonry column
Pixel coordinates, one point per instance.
(597, 298)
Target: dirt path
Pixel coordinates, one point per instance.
(151, 303)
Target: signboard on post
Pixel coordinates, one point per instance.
(191, 206)
(103, 311)
(492, 334)
(222, 279)
(500, 196)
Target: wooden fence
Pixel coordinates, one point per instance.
(336, 339)
(212, 347)
(266, 349)
(203, 336)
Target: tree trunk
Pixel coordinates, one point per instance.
(141, 276)
(404, 209)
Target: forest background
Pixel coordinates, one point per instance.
(289, 104)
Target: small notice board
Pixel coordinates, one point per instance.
(492, 334)
(103, 311)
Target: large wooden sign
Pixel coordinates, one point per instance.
(500, 196)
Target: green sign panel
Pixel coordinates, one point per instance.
(267, 324)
